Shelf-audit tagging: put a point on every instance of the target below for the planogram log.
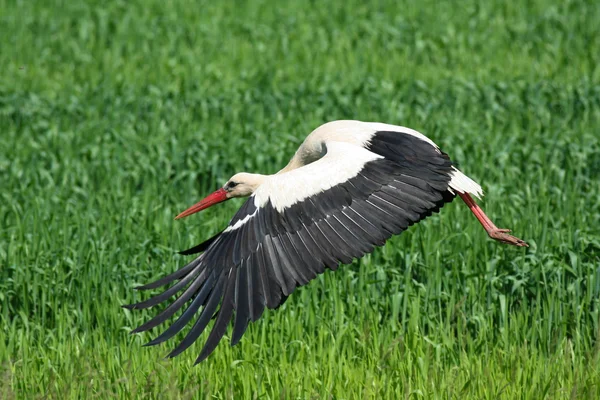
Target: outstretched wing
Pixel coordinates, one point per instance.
(297, 224)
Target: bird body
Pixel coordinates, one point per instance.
(349, 187)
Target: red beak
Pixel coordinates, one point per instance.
(210, 200)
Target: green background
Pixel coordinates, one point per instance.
(115, 116)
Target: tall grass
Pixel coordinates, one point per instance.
(114, 117)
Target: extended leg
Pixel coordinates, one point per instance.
(492, 230)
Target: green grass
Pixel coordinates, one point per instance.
(113, 118)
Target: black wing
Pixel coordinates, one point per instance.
(270, 253)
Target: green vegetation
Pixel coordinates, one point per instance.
(114, 117)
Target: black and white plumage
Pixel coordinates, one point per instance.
(350, 186)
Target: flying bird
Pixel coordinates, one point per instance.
(350, 186)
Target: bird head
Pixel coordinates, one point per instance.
(242, 184)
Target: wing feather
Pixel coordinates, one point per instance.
(188, 314)
(201, 323)
(243, 302)
(223, 318)
(256, 289)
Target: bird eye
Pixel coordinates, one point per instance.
(231, 185)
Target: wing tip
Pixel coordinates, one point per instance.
(203, 356)
(153, 342)
(188, 252)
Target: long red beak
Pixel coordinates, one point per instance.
(210, 200)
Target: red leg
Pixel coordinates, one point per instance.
(492, 230)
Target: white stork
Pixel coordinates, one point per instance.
(350, 186)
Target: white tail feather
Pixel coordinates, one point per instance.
(463, 184)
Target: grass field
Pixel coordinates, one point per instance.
(115, 117)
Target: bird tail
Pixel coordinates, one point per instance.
(461, 183)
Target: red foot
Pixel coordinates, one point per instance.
(502, 235)
(492, 230)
